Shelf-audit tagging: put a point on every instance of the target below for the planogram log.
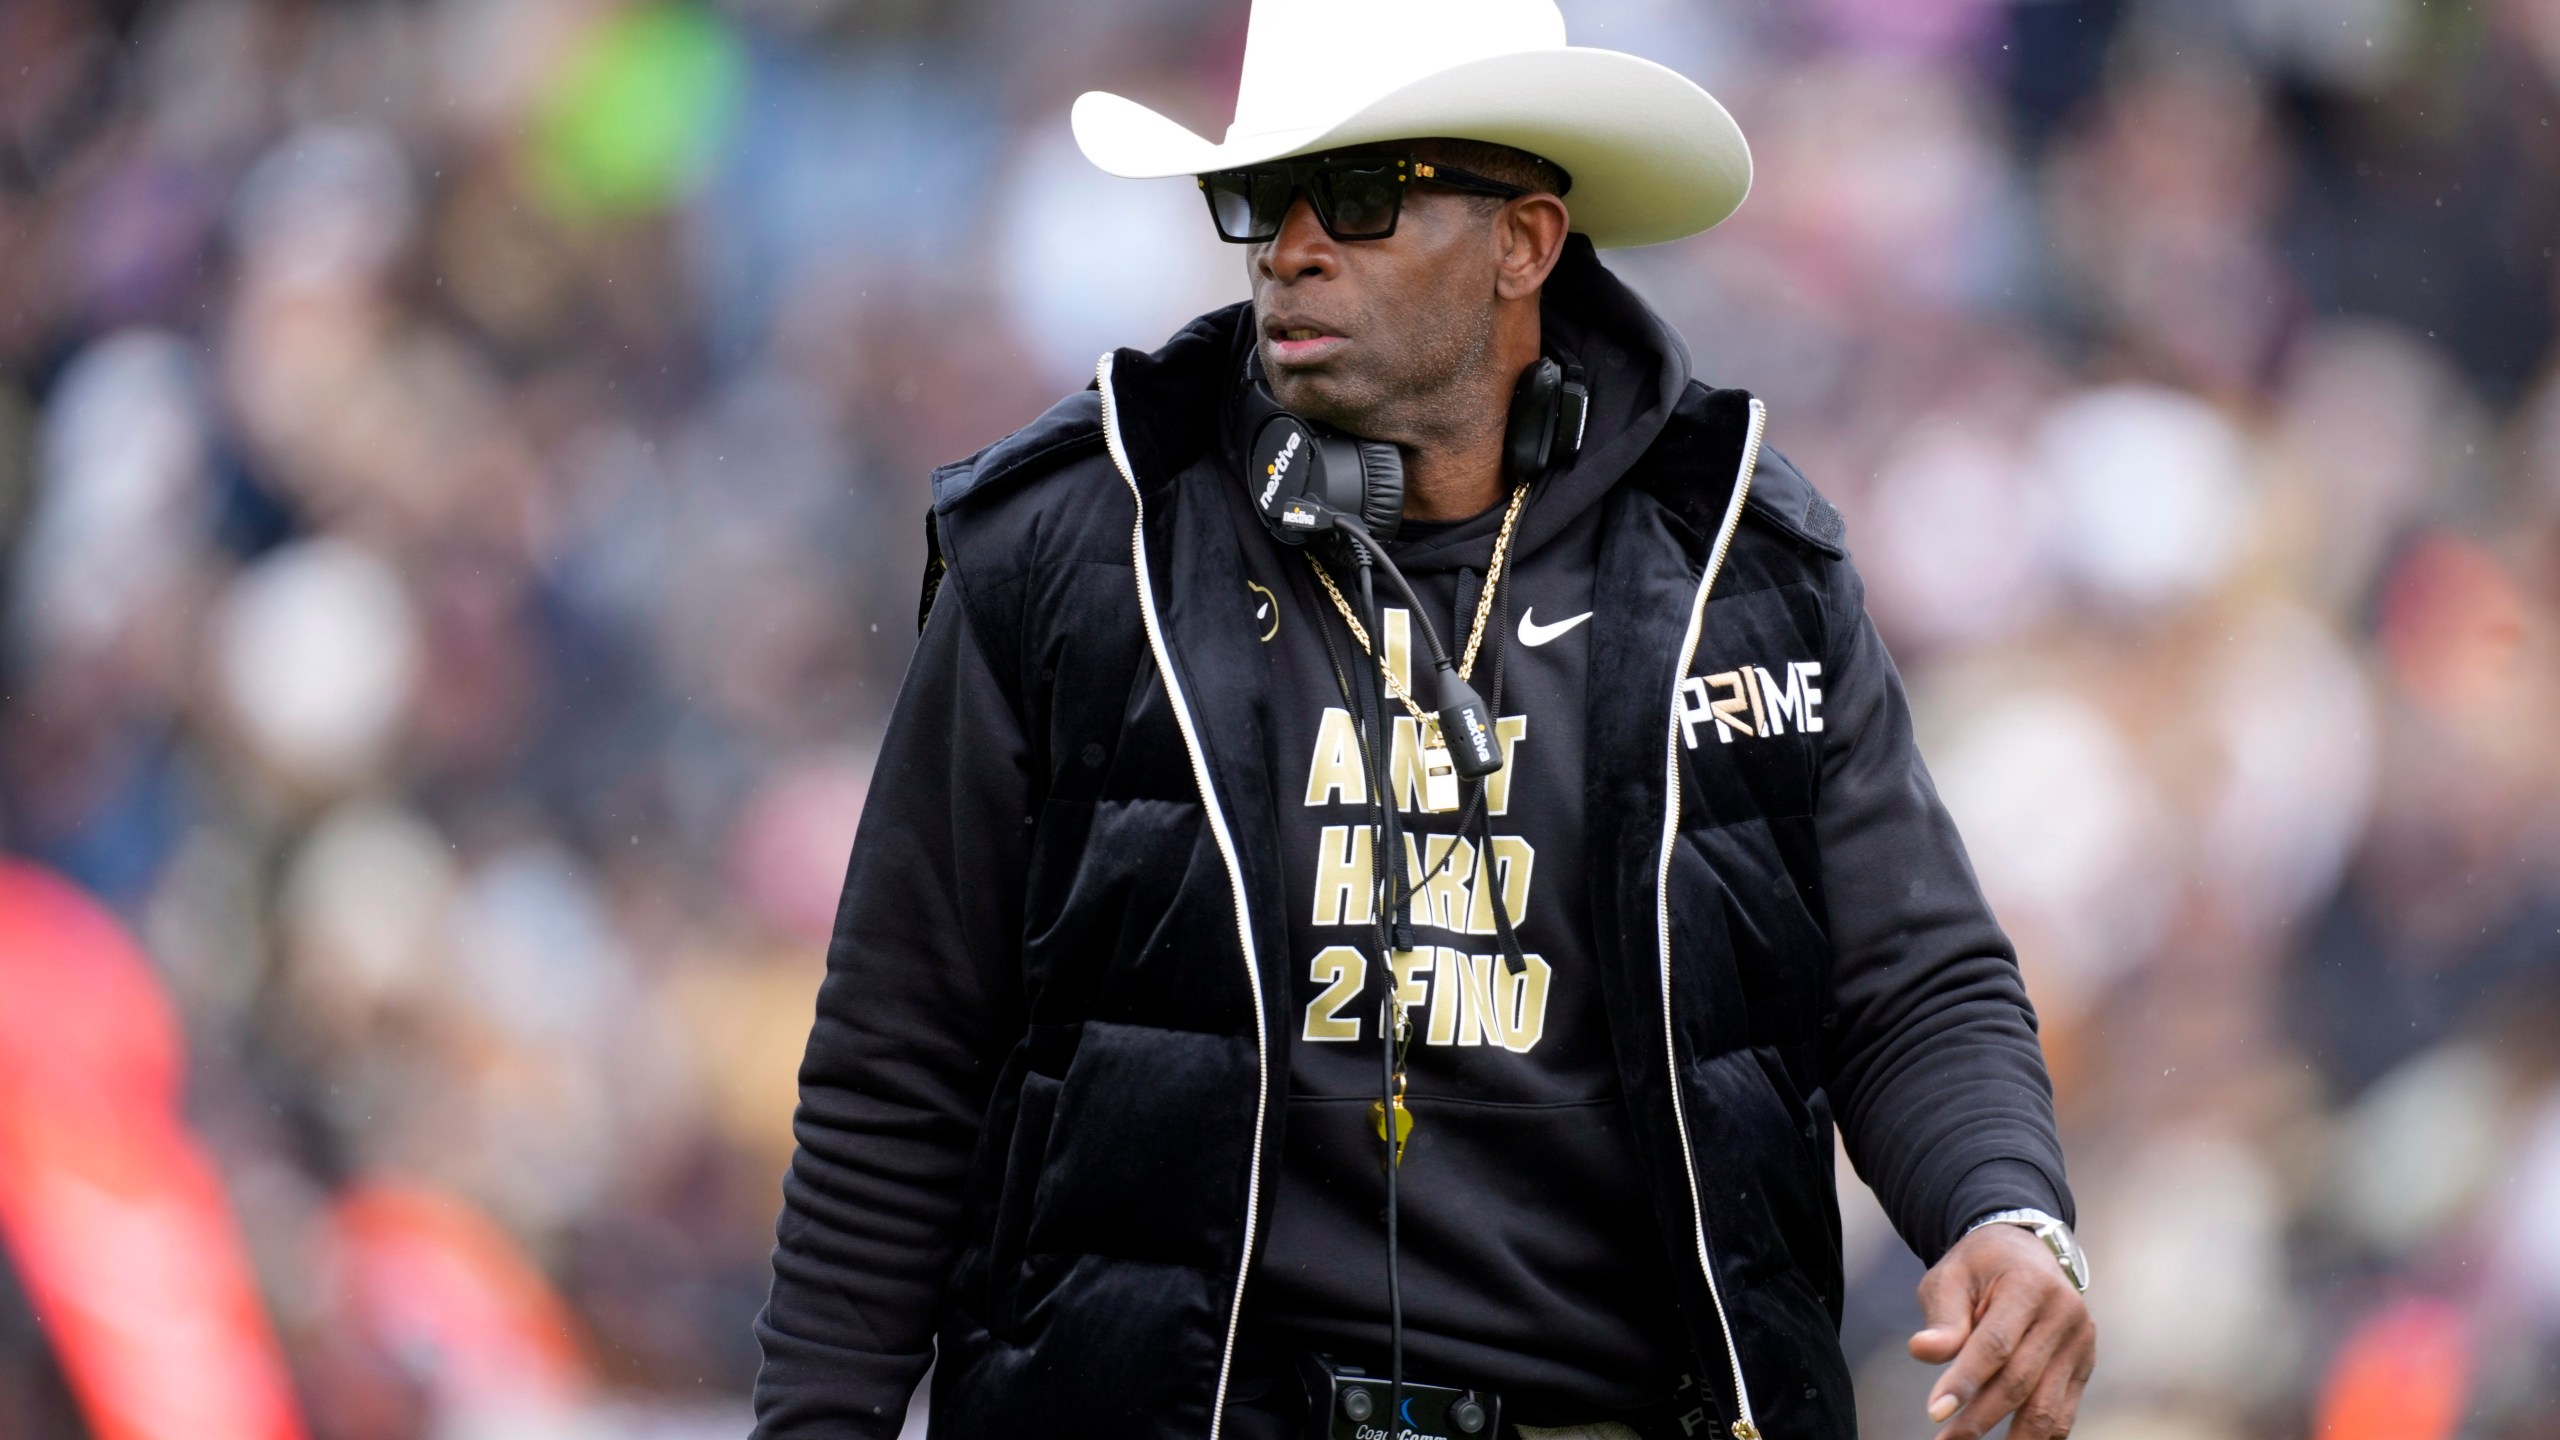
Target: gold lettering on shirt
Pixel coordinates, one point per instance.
(1461, 998)
(1442, 1027)
(1404, 765)
(1441, 900)
(1399, 628)
(1342, 971)
(1478, 1021)
(1336, 769)
(1464, 999)
(1344, 892)
(1468, 1000)
(1409, 966)
(1520, 1002)
(1513, 860)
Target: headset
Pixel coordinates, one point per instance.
(1303, 468)
(1315, 485)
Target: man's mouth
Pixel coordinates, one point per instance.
(1297, 344)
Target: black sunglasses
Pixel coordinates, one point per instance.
(1356, 197)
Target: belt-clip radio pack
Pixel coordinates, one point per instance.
(1344, 1403)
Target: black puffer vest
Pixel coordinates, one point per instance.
(1112, 1216)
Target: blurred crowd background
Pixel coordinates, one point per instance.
(462, 466)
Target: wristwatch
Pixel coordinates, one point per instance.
(2055, 1235)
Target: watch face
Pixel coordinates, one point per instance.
(2066, 1248)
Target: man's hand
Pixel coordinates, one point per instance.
(2002, 1309)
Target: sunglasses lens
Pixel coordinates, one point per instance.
(1231, 205)
(1249, 204)
(1356, 201)
(1361, 201)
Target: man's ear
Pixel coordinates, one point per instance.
(1530, 232)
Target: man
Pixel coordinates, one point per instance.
(1095, 1114)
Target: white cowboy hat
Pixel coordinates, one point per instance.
(1652, 156)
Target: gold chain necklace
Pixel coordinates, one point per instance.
(1475, 631)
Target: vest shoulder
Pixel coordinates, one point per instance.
(1705, 443)
(1781, 496)
(1067, 432)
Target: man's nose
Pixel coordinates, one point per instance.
(1301, 251)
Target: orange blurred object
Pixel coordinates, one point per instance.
(2403, 1375)
(433, 1280)
(113, 1215)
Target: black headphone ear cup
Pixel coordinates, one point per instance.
(1528, 438)
(1381, 488)
(1362, 478)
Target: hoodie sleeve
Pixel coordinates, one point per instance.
(1932, 1061)
(921, 1001)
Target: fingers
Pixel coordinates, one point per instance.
(1946, 1301)
(2054, 1403)
(1981, 1386)
(2032, 1332)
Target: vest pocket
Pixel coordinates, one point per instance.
(1025, 1153)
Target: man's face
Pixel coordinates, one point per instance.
(1365, 334)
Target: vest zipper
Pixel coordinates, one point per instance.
(1226, 851)
(1744, 1428)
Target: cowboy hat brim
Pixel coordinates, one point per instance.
(1653, 157)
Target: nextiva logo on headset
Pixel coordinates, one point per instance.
(1278, 469)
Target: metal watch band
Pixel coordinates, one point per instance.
(2056, 1235)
